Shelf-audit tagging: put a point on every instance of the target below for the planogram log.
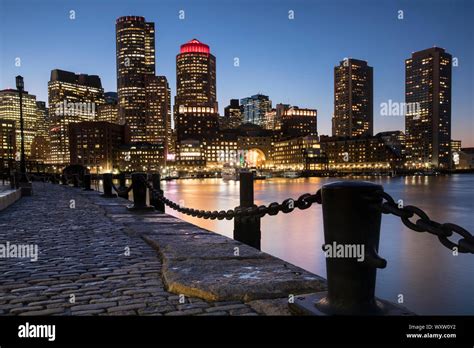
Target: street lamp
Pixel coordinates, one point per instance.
(25, 185)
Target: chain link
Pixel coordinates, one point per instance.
(125, 191)
(287, 206)
(424, 224)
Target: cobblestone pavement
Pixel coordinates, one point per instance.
(87, 265)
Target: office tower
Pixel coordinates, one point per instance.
(40, 146)
(108, 112)
(196, 110)
(428, 130)
(254, 108)
(7, 145)
(232, 115)
(158, 110)
(353, 99)
(196, 76)
(135, 51)
(72, 98)
(10, 111)
(273, 118)
(95, 144)
(296, 122)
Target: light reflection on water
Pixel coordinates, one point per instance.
(431, 280)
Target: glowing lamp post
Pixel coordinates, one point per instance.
(25, 185)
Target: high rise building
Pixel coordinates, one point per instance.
(254, 108)
(353, 99)
(10, 110)
(40, 146)
(95, 144)
(109, 111)
(7, 145)
(428, 131)
(158, 110)
(272, 119)
(196, 76)
(195, 107)
(135, 51)
(296, 122)
(71, 98)
(232, 115)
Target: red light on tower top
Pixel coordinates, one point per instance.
(195, 46)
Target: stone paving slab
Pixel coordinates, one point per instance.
(82, 267)
(234, 279)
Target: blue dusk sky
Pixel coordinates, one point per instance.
(292, 61)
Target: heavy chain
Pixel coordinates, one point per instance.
(287, 206)
(125, 191)
(424, 224)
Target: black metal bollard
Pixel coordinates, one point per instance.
(154, 201)
(247, 229)
(107, 185)
(139, 193)
(12, 181)
(63, 180)
(75, 180)
(122, 186)
(352, 216)
(86, 182)
(17, 180)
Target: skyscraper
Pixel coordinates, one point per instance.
(158, 110)
(232, 115)
(428, 131)
(71, 98)
(10, 111)
(255, 107)
(135, 51)
(353, 99)
(195, 107)
(296, 122)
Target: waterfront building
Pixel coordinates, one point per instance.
(254, 108)
(10, 111)
(291, 154)
(141, 157)
(94, 144)
(466, 159)
(72, 98)
(428, 131)
(353, 99)
(362, 154)
(456, 145)
(191, 155)
(221, 150)
(395, 139)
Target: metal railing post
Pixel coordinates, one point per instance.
(87, 182)
(139, 193)
(122, 186)
(154, 201)
(247, 229)
(107, 185)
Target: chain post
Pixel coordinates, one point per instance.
(247, 229)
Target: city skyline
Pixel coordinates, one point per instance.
(296, 85)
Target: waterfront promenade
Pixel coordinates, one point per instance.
(97, 258)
